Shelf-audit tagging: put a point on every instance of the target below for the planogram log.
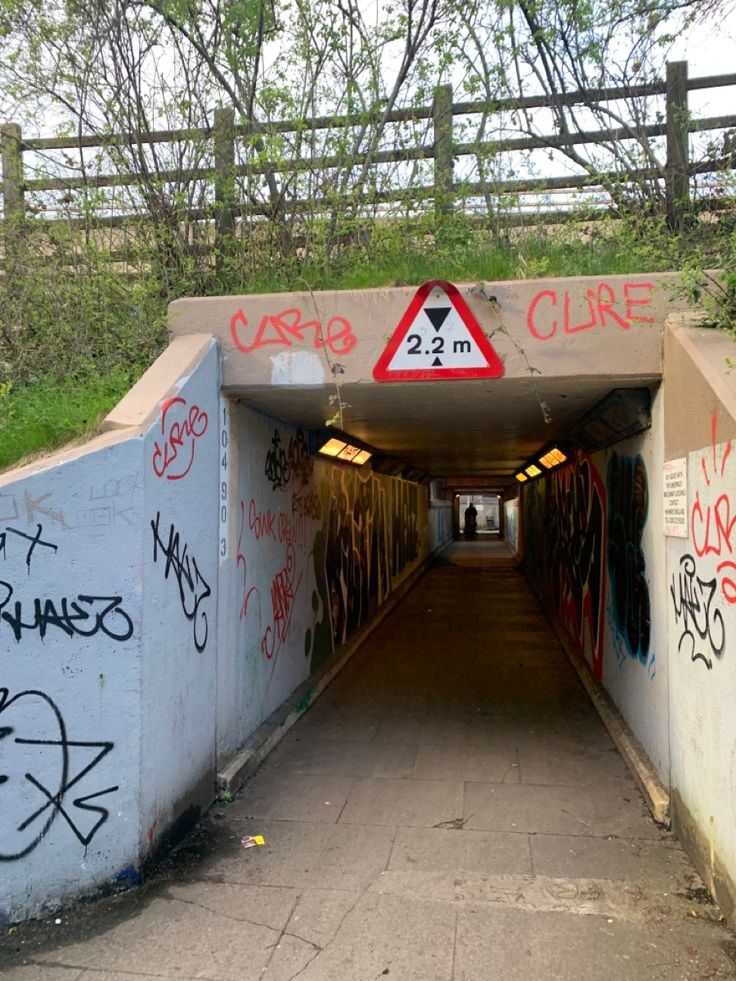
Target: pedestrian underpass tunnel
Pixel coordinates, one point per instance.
(283, 475)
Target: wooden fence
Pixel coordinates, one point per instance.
(224, 139)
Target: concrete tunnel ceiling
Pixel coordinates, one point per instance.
(562, 344)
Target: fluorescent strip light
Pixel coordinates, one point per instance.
(521, 477)
(532, 470)
(333, 447)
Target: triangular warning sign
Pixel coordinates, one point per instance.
(438, 337)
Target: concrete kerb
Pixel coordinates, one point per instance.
(268, 735)
(635, 756)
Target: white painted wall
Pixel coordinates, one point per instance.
(70, 685)
(702, 650)
(107, 711)
(179, 630)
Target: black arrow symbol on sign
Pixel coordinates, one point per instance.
(437, 315)
(436, 363)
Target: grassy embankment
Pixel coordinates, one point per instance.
(80, 347)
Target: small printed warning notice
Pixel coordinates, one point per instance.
(675, 498)
(438, 337)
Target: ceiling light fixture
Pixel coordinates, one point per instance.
(548, 458)
(344, 448)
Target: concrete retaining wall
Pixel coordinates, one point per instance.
(107, 589)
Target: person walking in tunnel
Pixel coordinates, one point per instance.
(471, 520)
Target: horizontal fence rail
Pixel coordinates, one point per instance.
(229, 188)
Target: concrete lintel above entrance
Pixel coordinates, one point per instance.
(550, 328)
(555, 347)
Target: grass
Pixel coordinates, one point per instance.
(118, 329)
(48, 413)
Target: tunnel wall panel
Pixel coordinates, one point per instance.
(700, 397)
(318, 548)
(179, 631)
(594, 548)
(511, 523)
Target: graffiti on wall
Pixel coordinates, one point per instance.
(192, 587)
(41, 767)
(713, 515)
(702, 630)
(286, 464)
(628, 506)
(287, 329)
(577, 517)
(358, 559)
(280, 534)
(705, 576)
(82, 615)
(550, 315)
(372, 536)
(174, 448)
(106, 504)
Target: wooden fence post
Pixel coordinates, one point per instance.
(443, 151)
(677, 180)
(224, 139)
(13, 208)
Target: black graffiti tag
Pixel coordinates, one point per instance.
(703, 632)
(277, 464)
(31, 799)
(84, 616)
(33, 539)
(628, 505)
(301, 464)
(193, 588)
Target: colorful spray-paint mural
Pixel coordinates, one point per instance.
(565, 549)
(594, 552)
(628, 507)
(319, 547)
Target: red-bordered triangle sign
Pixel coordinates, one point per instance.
(438, 337)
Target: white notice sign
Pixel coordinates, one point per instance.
(675, 498)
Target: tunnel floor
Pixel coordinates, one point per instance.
(451, 808)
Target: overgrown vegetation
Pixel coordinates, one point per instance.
(78, 333)
(114, 224)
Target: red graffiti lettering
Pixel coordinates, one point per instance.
(643, 301)
(287, 328)
(713, 522)
(543, 319)
(532, 310)
(243, 566)
(297, 529)
(261, 523)
(284, 588)
(180, 431)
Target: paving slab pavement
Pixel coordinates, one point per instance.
(451, 809)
